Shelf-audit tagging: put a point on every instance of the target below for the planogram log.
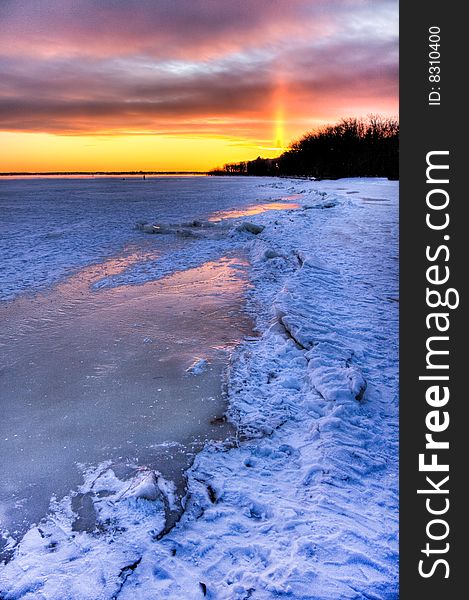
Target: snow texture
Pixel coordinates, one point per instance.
(304, 503)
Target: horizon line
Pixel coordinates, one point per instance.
(11, 173)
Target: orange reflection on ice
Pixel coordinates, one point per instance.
(255, 209)
(75, 285)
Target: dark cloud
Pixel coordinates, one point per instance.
(168, 28)
(165, 66)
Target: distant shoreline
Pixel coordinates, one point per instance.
(109, 173)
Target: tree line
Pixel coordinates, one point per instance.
(353, 147)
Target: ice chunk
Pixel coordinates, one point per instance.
(143, 485)
(250, 227)
(198, 366)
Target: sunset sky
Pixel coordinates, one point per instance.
(185, 84)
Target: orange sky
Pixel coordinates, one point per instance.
(46, 152)
(187, 85)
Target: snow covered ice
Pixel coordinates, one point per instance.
(303, 502)
(49, 227)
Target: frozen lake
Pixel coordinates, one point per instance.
(49, 227)
(95, 369)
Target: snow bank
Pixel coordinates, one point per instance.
(303, 504)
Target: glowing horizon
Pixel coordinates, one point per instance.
(186, 87)
(121, 153)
